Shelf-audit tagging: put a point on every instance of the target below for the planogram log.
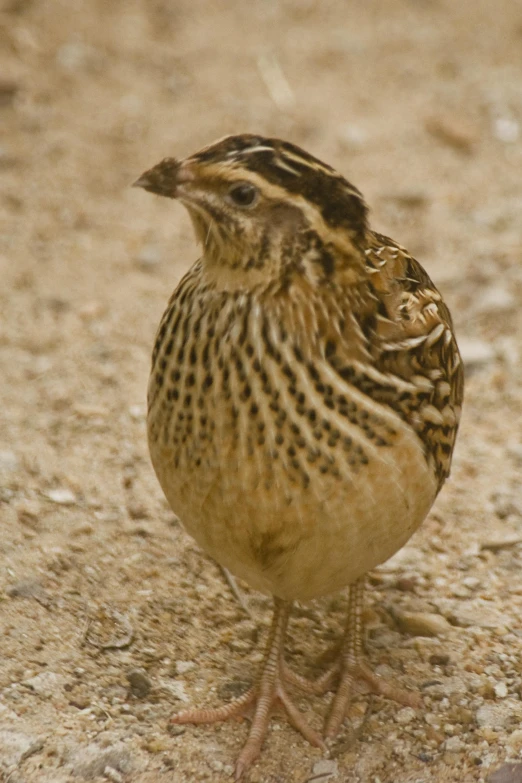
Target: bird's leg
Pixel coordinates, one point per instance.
(353, 668)
(261, 698)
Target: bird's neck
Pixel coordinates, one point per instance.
(276, 252)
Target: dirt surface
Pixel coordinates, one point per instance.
(110, 617)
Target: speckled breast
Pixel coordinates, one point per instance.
(279, 468)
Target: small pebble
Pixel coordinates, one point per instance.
(46, 684)
(174, 730)
(471, 582)
(514, 741)
(452, 131)
(148, 257)
(439, 659)
(9, 462)
(499, 716)
(421, 623)
(406, 715)
(28, 588)
(506, 130)
(495, 299)
(139, 681)
(137, 511)
(14, 745)
(454, 745)
(501, 690)
(495, 545)
(480, 613)
(233, 689)
(83, 529)
(28, 512)
(475, 353)
(184, 666)
(239, 646)
(112, 774)
(515, 451)
(176, 689)
(62, 496)
(156, 745)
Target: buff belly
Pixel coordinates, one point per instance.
(296, 542)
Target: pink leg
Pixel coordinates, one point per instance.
(268, 691)
(352, 668)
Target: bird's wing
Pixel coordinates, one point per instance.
(412, 344)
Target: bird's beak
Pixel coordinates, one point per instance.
(165, 178)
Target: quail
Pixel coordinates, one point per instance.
(304, 399)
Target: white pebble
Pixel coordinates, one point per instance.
(184, 666)
(8, 461)
(406, 715)
(506, 130)
(62, 496)
(476, 352)
(454, 745)
(501, 690)
(112, 774)
(471, 582)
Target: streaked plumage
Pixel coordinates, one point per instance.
(306, 384)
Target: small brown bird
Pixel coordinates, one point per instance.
(304, 398)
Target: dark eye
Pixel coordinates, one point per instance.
(244, 194)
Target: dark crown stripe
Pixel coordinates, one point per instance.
(288, 166)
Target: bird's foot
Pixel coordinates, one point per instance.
(352, 675)
(353, 671)
(259, 702)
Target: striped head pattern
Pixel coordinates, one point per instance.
(265, 204)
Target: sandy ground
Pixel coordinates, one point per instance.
(110, 617)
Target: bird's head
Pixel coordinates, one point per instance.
(264, 205)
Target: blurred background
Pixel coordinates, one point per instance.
(419, 104)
